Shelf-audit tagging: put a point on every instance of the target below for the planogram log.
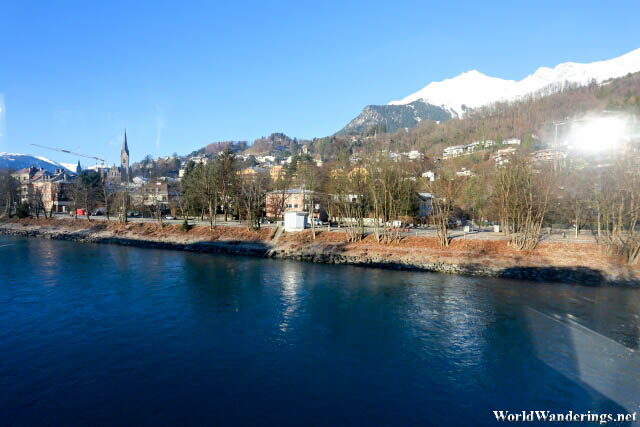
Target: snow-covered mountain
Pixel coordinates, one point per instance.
(474, 89)
(20, 161)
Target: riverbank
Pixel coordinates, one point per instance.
(568, 262)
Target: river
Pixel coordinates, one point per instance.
(111, 335)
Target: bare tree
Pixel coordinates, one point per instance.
(349, 195)
(619, 208)
(202, 182)
(106, 196)
(308, 175)
(444, 191)
(577, 189)
(122, 200)
(522, 195)
(278, 203)
(391, 190)
(253, 194)
(228, 169)
(8, 192)
(156, 205)
(38, 203)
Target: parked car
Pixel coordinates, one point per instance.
(317, 222)
(169, 217)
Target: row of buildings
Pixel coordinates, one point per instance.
(52, 191)
(48, 189)
(475, 146)
(300, 200)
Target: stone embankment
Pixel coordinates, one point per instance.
(568, 262)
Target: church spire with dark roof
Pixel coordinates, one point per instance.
(124, 154)
(125, 147)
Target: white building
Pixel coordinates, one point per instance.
(265, 159)
(511, 141)
(414, 155)
(464, 172)
(549, 156)
(454, 151)
(474, 146)
(430, 175)
(295, 221)
(198, 160)
(502, 156)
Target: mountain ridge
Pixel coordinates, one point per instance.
(393, 117)
(473, 89)
(21, 161)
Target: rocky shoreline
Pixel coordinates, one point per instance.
(331, 253)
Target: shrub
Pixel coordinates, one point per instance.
(186, 226)
(23, 210)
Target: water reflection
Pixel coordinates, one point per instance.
(291, 278)
(163, 335)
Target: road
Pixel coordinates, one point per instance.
(585, 236)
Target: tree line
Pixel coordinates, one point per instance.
(378, 195)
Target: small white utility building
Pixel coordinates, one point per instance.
(295, 221)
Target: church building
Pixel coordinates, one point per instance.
(122, 173)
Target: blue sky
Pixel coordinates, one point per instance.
(179, 75)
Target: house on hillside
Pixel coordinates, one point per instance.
(464, 172)
(502, 157)
(430, 175)
(414, 155)
(454, 151)
(474, 146)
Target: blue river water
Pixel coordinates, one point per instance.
(110, 335)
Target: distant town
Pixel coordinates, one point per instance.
(576, 171)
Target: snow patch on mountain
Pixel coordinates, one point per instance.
(20, 161)
(69, 166)
(474, 89)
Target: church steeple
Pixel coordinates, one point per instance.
(125, 147)
(124, 154)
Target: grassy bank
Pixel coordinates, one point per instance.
(574, 262)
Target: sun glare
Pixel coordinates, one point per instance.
(598, 134)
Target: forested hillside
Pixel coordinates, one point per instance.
(390, 118)
(535, 115)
